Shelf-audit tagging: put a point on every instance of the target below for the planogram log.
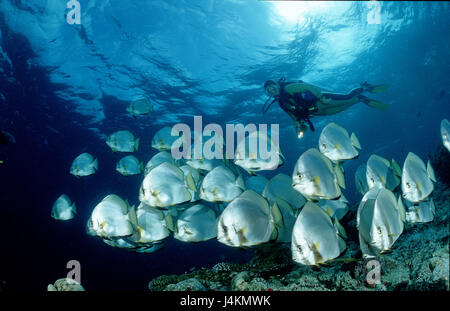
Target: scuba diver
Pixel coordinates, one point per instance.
(301, 101)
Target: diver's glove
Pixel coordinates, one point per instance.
(300, 128)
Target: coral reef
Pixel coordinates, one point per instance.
(419, 260)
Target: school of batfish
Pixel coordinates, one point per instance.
(201, 199)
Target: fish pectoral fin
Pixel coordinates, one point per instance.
(317, 180)
(190, 182)
(277, 216)
(316, 246)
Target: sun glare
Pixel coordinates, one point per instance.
(298, 11)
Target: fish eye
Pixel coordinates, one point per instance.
(408, 185)
(324, 146)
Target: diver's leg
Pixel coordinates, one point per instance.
(348, 96)
(327, 106)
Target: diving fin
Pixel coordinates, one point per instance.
(374, 103)
(374, 88)
(379, 88)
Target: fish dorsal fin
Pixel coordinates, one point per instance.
(277, 216)
(340, 176)
(430, 171)
(396, 167)
(355, 141)
(169, 222)
(190, 182)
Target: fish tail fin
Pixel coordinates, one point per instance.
(355, 141)
(373, 103)
(339, 172)
(169, 222)
(132, 216)
(396, 167)
(74, 207)
(136, 144)
(96, 164)
(430, 171)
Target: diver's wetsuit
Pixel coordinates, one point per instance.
(301, 101)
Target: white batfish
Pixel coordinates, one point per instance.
(122, 141)
(445, 133)
(164, 186)
(153, 225)
(84, 165)
(112, 218)
(417, 179)
(380, 222)
(279, 188)
(197, 223)
(382, 174)
(157, 159)
(63, 208)
(221, 185)
(315, 178)
(258, 152)
(204, 164)
(129, 165)
(248, 221)
(336, 144)
(140, 107)
(316, 239)
(338, 208)
(163, 139)
(420, 212)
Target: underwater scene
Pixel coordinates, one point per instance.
(224, 145)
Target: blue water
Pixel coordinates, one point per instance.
(64, 88)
